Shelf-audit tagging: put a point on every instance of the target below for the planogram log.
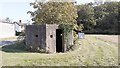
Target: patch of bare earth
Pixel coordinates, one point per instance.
(109, 38)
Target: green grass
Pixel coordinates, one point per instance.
(90, 52)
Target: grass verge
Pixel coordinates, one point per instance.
(90, 52)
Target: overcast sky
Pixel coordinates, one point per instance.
(17, 9)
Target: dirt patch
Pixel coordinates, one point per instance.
(109, 38)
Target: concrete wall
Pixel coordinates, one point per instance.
(51, 37)
(46, 37)
(7, 30)
(36, 36)
(70, 38)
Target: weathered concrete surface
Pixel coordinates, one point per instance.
(51, 41)
(35, 36)
(44, 37)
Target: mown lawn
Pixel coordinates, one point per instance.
(90, 51)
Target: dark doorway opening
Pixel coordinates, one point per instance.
(59, 40)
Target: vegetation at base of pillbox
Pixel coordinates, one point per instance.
(66, 29)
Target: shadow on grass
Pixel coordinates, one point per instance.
(17, 47)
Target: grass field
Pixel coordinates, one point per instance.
(91, 51)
